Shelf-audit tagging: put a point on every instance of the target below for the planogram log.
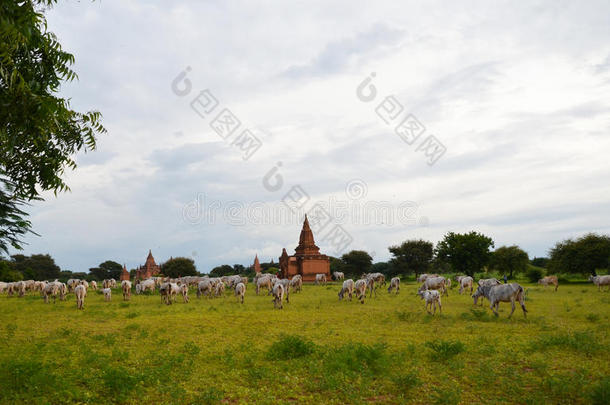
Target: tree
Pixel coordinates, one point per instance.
(412, 256)
(8, 274)
(581, 256)
(510, 259)
(107, 269)
(179, 267)
(386, 268)
(239, 269)
(39, 132)
(540, 262)
(37, 267)
(356, 262)
(223, 270)
(466, 253)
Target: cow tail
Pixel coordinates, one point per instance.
(522, 298)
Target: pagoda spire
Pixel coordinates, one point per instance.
(307, 244)
(257, 264)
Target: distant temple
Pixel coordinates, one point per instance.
(307, 260)
(149, 269)
(124, 273)
(256, 265)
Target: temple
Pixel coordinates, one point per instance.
(124, 273)
(256, 265)
(307, 260)
(149, 269)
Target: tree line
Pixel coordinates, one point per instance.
(466, 253)
(470, 253)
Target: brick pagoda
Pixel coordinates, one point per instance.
(256, 265)
(149, 269)
(307, 260)
(124, 273)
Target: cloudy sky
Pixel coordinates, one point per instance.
(512, 101)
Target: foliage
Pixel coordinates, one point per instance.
(37, 266)
(39, 132)
(533, 273)
(412, 256)
(290, 347)
(600, 394)
(466, 253)
(13, 224)
(106, 270)
(509, 259)
(356, 262)
(336, 265)
(8, 274)
(386, 268)
(540, 261)
(179, 267)
(581, 256)
(443, 350)
(222, 270)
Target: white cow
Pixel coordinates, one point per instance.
(278, 295)
(466, 282)
(296, 283)
(50, 290)
(219, 290)
(107, 294)
(434, 283)
(394, 284)
(126, 287)
(338, 275)
(348, 288)
(80, 292)
(184, 290)
(423, 277)
(489, 282)
(502, 293)
(360, 288)
(600, 281)
(147, 285)
(93, 285)
(431, 297)
(320, 278)
(240, 291)
(264, 281)
(204, 287)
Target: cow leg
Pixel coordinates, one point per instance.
(512, 305)
(493, 309)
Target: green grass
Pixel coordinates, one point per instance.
(315, 350)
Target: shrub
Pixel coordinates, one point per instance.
(442, 350)
(405, 382)
(580, 341)
(357, 358)
(533, 274)
(592, 317)
(290, 347)
(600, 394)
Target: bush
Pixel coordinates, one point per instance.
(600, 394)
(357, 359)
(290, 347)
(443, 350)
(533, 274)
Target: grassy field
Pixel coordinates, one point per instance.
(315, 350)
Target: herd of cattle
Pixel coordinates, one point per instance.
(432, 287)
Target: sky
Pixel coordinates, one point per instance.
(385, 121)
